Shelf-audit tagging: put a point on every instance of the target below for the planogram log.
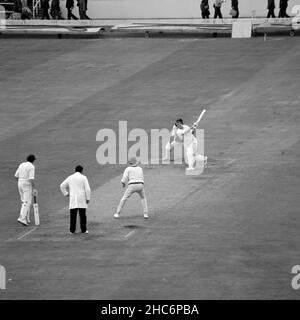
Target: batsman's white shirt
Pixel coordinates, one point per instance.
(187, 136)
(174, 134)
(78, 188)
(25, 172)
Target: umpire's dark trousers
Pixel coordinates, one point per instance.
(218, 13)
(271, 13)
(73, 219)
(71, 15)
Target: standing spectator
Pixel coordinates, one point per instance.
(77, 188)
(217, 6)
(283, 4)
(18, 6)
(70, 7)
(82, 5)
(271, 8)
(26, 12)
(86, 9)
(235, 9)
(45, 9)
(204, 6)
(55, 10)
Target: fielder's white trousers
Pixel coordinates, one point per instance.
(25, 190)
(131, 189)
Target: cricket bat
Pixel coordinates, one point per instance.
(36, 211)
(201, 116)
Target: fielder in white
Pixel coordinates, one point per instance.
(134, 177)
(183, 134)
(25, 175)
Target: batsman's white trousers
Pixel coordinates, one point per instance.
(172, 145)
(25, 190)
(131, 189)
(191, 151)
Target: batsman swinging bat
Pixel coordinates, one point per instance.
(201, 115)
(36, 211)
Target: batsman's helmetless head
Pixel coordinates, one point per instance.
(132, 161)
(179, 123)
(31, 158)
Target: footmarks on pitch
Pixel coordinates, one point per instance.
(218, 165)
(97, 232)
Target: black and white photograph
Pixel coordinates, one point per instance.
(149, 151)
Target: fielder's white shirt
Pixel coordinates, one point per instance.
(133, 174)
(78, 188)
(25, 171)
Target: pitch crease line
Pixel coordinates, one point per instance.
(27, 233)
(130, 233)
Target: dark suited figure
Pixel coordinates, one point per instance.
(217, 6)
(271, 8)
(86, 9)
(235, 7)
(82, 6)
(45, 8)
(70, 7)
(55, 10)
(204, 6)
(283, 4)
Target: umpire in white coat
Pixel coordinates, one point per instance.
(77, 188)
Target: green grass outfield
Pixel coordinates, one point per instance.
(232, 233)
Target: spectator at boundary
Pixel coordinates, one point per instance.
(18, 6)
(271, 8)
(86, 9)
(204, 6)
(217, 7)
(234, 9)
(26, 12)
(283, 4)
(70, 7)
(45, 9)
(55, 10)
(82, 5)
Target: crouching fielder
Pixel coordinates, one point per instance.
(25, 176)
(134, 177)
